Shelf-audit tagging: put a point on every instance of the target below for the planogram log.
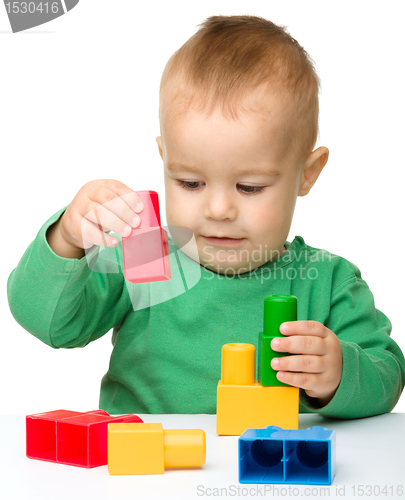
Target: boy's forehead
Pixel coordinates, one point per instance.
(262, 103)
(269, 126)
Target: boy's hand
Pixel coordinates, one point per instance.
(98, 207)
(317, 368)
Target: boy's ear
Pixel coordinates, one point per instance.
(159, 143)
(312, 168)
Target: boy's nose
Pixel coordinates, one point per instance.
(220, 207)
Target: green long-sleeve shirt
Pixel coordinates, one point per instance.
(167, 336)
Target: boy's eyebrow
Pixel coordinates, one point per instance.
(177, 167)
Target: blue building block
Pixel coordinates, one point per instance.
(276, 456)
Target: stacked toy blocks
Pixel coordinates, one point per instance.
(276, 456)
(277, 310)
(147, 448)
(146, 253)
(243, 402)
(71, 437)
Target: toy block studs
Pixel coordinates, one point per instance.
(147, 448)
(71, 437)
(276, 456)
(277, 310)
(146, 253)
(243, 403)
(238, 364)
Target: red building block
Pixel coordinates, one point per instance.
(71, 437)
(145, 251)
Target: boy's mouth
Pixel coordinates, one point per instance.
(223, 241)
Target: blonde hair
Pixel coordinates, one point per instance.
(231, 56)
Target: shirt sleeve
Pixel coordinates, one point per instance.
(67, 302)
(373, 374)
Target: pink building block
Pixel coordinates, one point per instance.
(71, 437)
(146, 250)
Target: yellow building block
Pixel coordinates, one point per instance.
(135, 449)
(241, 407)
(184, 447)
(243, 403)
(148, 449)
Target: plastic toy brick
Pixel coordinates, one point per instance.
(148, 449)
(277, 310)
(244, 403)
(71, 437)
(276, 456)
(146, 253)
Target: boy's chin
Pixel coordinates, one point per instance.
(227, 270)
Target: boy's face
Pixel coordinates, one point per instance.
(226, 178)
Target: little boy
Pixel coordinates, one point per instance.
(239, 121)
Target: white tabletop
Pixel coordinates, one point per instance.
(370, 459)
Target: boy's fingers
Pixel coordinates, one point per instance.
(109, 189)
(91, 235)
(304, 328)
(111, 201)
(120, 207)
(108, 220)
(303, 380)
(307, 364)
(299, 345)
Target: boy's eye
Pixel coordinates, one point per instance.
(188, 185)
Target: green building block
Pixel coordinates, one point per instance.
(277, 310)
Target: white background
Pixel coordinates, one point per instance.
(79, 101)
(364, 466)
